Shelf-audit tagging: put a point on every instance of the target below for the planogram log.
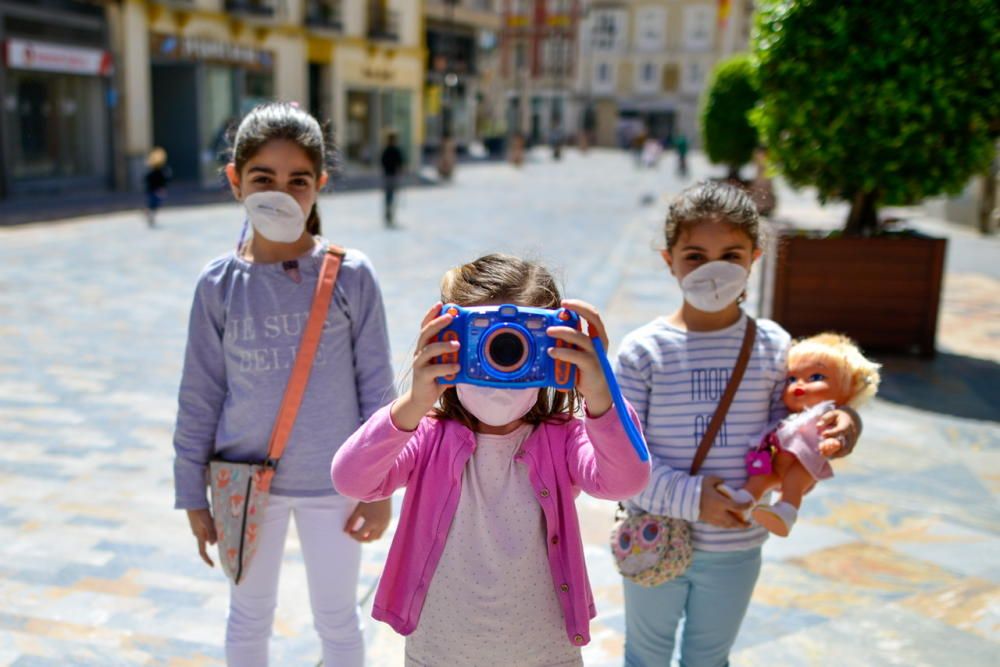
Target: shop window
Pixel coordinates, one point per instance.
(607, 32)
(671, 78)
(324, 14)
(383, 22)
(257, 7)
(694, 76)
(647, 78)
(58, 126)
(699, 25)
(651, 28)
(603, 80)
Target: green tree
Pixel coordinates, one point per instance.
(726, 132)
(878, 102)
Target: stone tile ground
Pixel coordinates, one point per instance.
(896, 561)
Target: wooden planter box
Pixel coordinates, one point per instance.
(883, 292)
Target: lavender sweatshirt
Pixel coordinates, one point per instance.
(246, 323)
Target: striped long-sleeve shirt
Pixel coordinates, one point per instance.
(674, 379)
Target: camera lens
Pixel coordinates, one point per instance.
(506, 349)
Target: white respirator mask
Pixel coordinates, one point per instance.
(714, 285)
(276, 216)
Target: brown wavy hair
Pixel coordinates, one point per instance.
(711, 200)
(496, 279)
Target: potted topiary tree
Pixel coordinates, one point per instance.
(727, 134)
(874, 103)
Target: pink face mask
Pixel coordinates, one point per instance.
(496, 407)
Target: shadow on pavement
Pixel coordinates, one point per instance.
(948, 384)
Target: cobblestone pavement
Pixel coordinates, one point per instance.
(896, 561)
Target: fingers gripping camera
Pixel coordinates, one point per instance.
(507, 346)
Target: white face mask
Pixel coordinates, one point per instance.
(276, 216)
(714, 285)
(496, 407)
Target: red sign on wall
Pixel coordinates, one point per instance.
(43, 57)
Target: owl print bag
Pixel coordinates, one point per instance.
(651, 549)
(240, 490)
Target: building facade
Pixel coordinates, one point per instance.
(58, 98)
(644, 64)
(354, 63)
(461, 91)
(123, 77)
(539, 53)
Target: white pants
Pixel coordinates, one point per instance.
(332, 560)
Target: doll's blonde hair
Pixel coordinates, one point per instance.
(842, 354)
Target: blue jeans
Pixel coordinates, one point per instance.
(712, 596)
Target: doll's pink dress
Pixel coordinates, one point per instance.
(799, 435)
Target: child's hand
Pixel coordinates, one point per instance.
(424, 390)
(590, 378)
(369, 520)
(204, 531)
(839, 429)
(719, 510)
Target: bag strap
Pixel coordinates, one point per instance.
(727, 396)
(299, 377)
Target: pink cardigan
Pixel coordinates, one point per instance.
(592, 454)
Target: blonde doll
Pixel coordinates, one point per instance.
(824, 371)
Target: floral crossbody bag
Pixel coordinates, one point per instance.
(240, 491)
(651, 549)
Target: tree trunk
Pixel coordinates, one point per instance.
(863, 219)
(734, 174)
(989, 209)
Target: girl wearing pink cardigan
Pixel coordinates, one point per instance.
(487, 565)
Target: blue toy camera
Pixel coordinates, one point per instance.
(506, 346)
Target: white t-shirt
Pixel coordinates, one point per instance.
(492, 602)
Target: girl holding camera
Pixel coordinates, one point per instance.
(487, 566)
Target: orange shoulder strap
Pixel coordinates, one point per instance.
(299, 378)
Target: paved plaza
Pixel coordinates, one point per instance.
(896, 561)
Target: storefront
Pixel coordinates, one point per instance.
(200, 87)
(377, 91)
(370, 114)
(55, 118)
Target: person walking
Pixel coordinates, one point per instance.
(158, 174)
(392, 166)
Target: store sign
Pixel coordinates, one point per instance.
(377, 73)
(42, 57)
(210, 50)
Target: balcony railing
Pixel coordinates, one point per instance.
(324, 14)
(255, 7)
(383, 23)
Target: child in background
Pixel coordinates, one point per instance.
(157, 176)
(250, 308)
(486, 567)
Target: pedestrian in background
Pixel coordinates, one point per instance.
(392, 166)
(447, 158)
(516, 151)
(681, 144)
(250, 309)
(157, 176)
